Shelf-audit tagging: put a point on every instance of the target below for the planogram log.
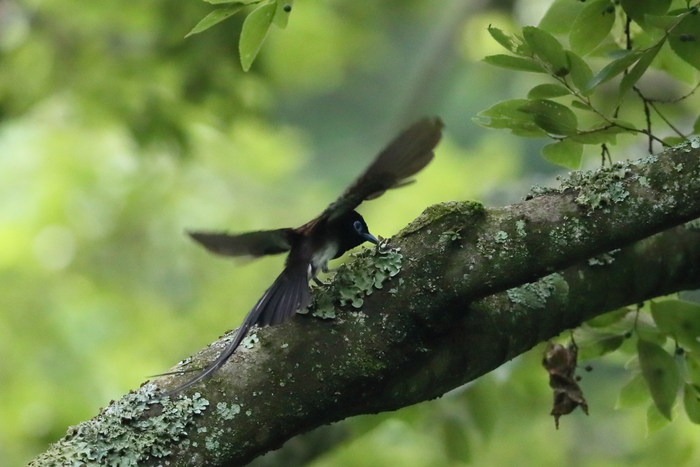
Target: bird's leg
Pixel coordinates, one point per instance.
(325, 269)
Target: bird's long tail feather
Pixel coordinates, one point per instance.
(288, 294)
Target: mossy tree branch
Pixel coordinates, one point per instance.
(463, 303)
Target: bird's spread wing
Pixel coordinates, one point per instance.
(288, 294)
(253, 244)
(404, 157)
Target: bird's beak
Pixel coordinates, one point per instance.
(370, 238)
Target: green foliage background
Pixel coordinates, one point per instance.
(116, 134)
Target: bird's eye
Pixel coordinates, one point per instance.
(357, 225)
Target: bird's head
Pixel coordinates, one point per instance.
(352, 231)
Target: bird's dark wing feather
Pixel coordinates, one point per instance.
(404, 157)
(254, 244)
(288, 294)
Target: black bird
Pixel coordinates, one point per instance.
(338, 229)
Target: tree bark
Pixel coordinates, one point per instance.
(476, 287)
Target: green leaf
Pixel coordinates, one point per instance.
(548, 49)
(581, 105)
(514, 63)
(661, 22)
(552, 117)
(543, 91)
(284, 8)
(631, 78)
(655, 419)
(613, 69)
(685, 40)
(633, 394)
(608, 319)
(674, 140)
(636, 9)
(661, 375)
(594, 343)
(579, 71)
(691, 402)
(680, 320)
(506, 40)
(591, 26)
(511, 42)
(696, 125)
(506, 114)
(215, 17)
(648, 331)
(566, 153)
(560, 15)
(255, 28)
(669, 61)
(692, 368)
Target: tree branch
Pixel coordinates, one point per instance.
(462, 304)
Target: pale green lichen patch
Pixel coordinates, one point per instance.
(537, 190)
(599, 194)
(226, 411)
(603, 260)
(249, 341)
(449, 236)
(601, 187)
(322, 307)
(357, 279)
(573, 230)
(211, 443)
(536, 294)
(500, 236)
(138, 427)
(503, 243)
(437, 211)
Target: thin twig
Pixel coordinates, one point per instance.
(602, 155)
(647, 116)
(666, 120)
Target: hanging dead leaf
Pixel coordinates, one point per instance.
(560, 363)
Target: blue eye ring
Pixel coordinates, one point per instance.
(357, 225)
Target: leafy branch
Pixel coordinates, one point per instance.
(255, 26)
(650, 35)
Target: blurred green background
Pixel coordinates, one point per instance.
(116, 135)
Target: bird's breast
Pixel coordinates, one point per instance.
(321, 256)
